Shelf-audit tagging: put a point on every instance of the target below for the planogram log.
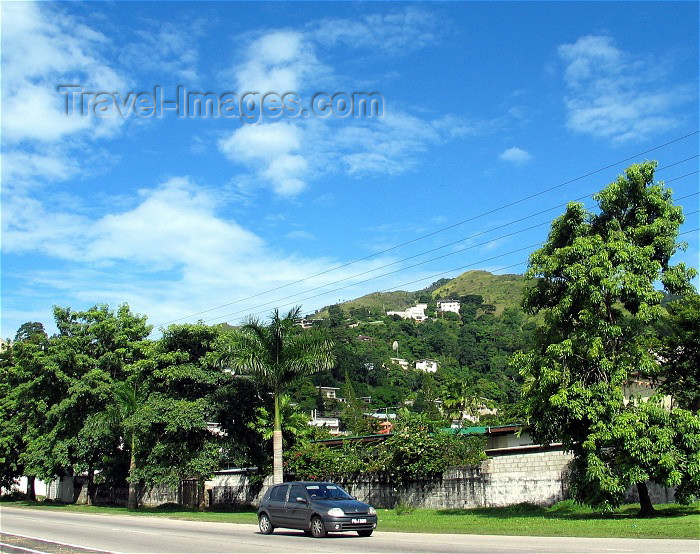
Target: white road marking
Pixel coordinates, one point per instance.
(63, 543)
(22, 548)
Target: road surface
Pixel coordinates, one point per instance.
(73, 532)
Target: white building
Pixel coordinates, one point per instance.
(400, 361)
(428, 366)
(330, 392)
(448, 306)
(331, 423)
(416, 312)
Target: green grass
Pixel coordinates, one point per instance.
(224, 515)
(565, 519)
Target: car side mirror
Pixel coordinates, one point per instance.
(301, 500)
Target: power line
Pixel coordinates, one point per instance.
(403, 284)
(465, 267)
(274, 302)
(433, 233)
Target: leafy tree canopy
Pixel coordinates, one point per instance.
(596, 278)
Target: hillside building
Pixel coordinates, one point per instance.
(416, 312)
(427, 366)
(448, 306)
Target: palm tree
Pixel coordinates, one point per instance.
(127, 401)
(460, 399)
(276, 354)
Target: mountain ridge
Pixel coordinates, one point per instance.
(502, 291)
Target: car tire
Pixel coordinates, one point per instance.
(318, 528)
(365, 532)
(265, 525)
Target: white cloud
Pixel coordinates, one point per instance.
(171, 49)
(287, 155)
(272, 151)
(176, 228)
(174, 225)
(515, 155)
(300, 235)
(43, 48)
(613, 95)
(279, 62)
(398, 32)
(19, 165)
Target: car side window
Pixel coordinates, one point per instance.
(279, 494)
(296, 492)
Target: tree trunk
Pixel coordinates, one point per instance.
(90, 486)
(133, 502)
(646, 507)
(31, 492)
(201, 503)
(277, 469)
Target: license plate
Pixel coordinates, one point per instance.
(361, 520)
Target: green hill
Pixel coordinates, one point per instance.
(377, 302)
(500, 290)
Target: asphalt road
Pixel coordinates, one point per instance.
(75, 532)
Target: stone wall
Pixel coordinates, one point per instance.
(501, 480)
(536, 475)
(236, 489)
(119, 495)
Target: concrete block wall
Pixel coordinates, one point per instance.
(534, 477)
(236, 490)
(504, 480)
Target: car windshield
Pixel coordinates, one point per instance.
(327, 492)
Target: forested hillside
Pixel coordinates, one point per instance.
(472, 349)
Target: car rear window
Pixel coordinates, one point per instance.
(279, 494)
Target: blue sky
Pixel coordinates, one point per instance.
(485, 104)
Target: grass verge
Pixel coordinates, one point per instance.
(566, 519)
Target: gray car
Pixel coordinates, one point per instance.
(316, 508)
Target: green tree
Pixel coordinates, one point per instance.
(418, 447)
(174, 385)
(336, 316)
(679, 372)
(353, 414)
(295, 424)
(459, 400)
(276, 354)
(22, 412)
(32, 331)
(90, 355)
(594, 281)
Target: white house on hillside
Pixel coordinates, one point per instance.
(448, 306)
(416, 312)
(319, 420)
(400, 361)
(428, 366)
(330, 392)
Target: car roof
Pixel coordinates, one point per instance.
(307, 483)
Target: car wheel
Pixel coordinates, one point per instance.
(265, 525)
(365, 532)
(318, 529)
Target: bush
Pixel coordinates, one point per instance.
(403, 508)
